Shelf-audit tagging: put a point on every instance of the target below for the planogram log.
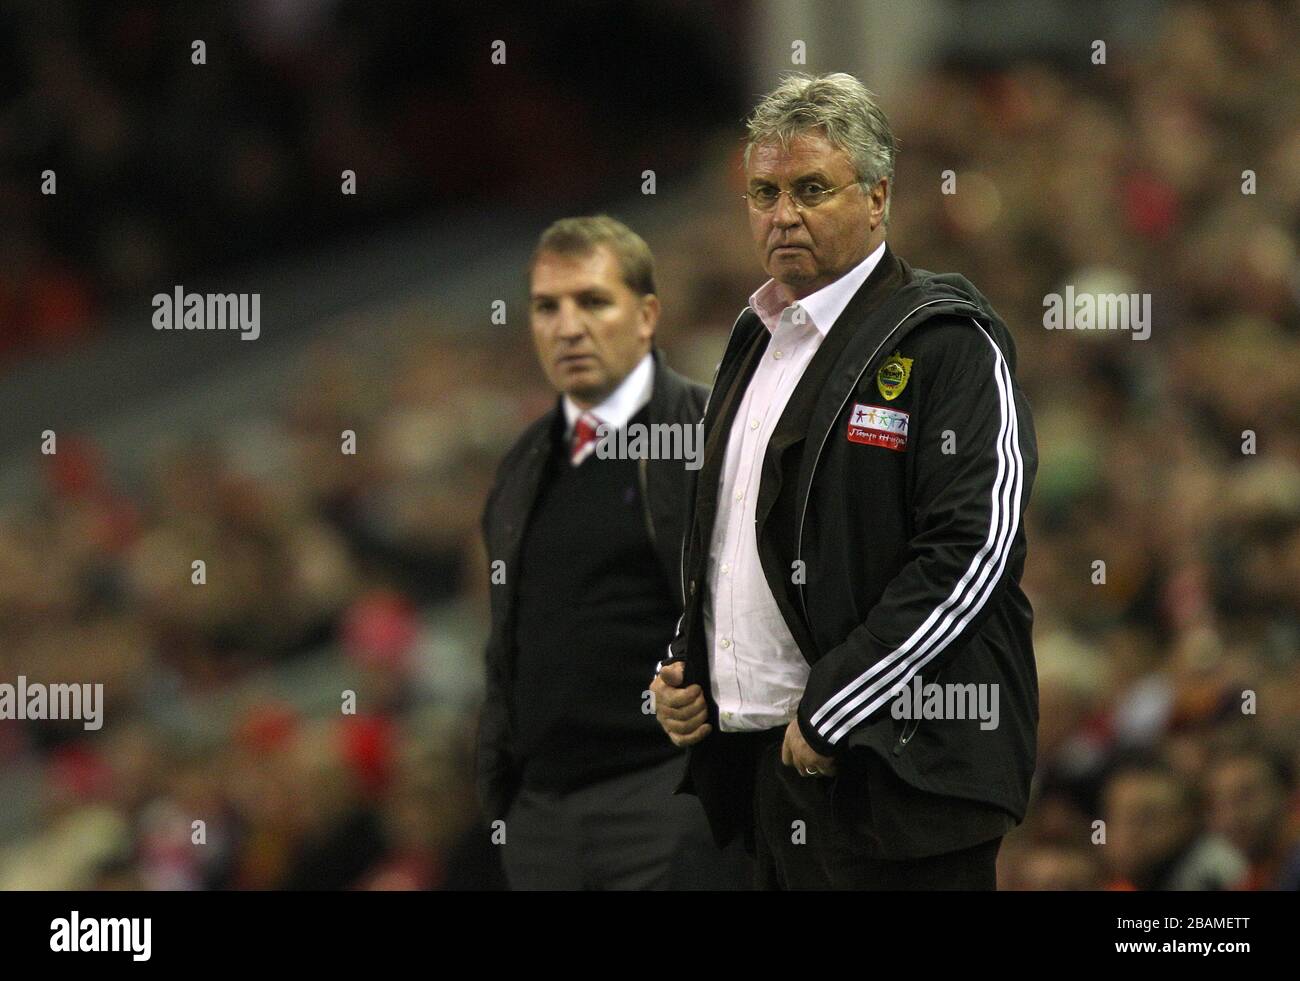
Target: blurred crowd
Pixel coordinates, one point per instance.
(307, 694)
(165, 167)
(1164, 530)
(1170, 689)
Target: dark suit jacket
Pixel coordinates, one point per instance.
(674, 399)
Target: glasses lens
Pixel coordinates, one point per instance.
(805, 196)
(810, 196)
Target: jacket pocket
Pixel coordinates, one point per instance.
(909, 730)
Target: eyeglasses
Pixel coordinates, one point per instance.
(804, 196)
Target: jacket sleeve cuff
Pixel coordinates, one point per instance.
(819, 745)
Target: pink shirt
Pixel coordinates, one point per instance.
(755, 667)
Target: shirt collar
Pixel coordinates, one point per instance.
(823, 307)
(623, 403)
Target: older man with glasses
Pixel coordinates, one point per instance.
(855, 535)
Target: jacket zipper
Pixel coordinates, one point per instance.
(908, 733)
(906, 736)
(803, 514)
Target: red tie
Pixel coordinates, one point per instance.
(584, 438)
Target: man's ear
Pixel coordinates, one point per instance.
(649, 314)
(879, 195)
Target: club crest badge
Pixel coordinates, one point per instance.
(892, 376)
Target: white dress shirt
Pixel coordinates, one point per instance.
(622, 404)
(756, 669)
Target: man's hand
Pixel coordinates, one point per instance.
(682, 712)
(796, 752)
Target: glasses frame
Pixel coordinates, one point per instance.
(826, 195)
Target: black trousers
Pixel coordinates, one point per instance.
(802, 843)
(628, 832)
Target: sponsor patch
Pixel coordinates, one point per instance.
(874, 425)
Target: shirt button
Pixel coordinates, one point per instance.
(777, 355)
(725, 567)
(725, 642)
(753, 424)
(740, 495)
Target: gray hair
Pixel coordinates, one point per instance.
(844, 108)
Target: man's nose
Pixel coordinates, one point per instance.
(785, 214)
(568, 322)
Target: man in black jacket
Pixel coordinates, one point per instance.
(854, 668)
(584, 530)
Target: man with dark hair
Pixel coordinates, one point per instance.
(585, 547)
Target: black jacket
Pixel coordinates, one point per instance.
(890, 554)
(673, 399)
